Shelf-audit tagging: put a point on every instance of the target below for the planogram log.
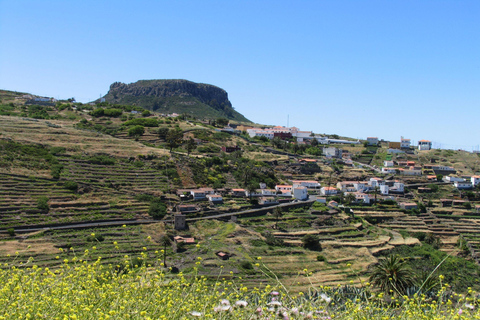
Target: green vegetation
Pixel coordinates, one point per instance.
(42, 204)
(392, 275)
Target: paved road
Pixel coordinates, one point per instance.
(86, 225)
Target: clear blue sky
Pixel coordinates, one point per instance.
(354, 68)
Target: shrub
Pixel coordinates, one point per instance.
(71, 185)
(101, 159)
(11, 232)
(321, 258)
(56, 171)
(157, 210)
(272, 241)
(246, 265)
(312, 242)
(42, 204)
(136, 131)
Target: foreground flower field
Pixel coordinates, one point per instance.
(91, 290)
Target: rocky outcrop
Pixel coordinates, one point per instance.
(199, 99)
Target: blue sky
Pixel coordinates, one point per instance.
(353, 68)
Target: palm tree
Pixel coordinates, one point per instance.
(165, 241)
(392, 274)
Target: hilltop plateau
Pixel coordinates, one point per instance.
(179, 96)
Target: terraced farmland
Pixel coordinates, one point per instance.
(120, 177)
(19, 198)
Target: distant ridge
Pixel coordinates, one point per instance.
(180, 96)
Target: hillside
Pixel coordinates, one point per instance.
(179, 96)
(69, 170)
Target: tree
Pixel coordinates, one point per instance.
(42, 204)
(136, 131)
(190, 145)
(314, 142)
(157, 210)
(162, 133)
(392, 274)
(311, 242)
(349, 198)
(174, 138)
(165, 241)
(222, 122)
(277, 213)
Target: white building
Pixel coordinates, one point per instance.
(332, 152)
(398, 187)
(463, 185)
(372, 141)
(384, 189)
(347, 186)
(328, 191)
(214, 198)
(388, 163)
(424, 145)
(404, 143)
(269, 192)
(475, 180)
(388, 170)
(312, 184)
(198, 194)
(453, 179)
(300, 193)
(285, 190)
(410, 172)
(376, 182)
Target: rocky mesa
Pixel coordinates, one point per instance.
(180, 96)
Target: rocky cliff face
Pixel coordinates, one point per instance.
(199, 99)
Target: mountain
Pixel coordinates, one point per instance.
(180, 96)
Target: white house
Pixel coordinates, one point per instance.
(328, 191)
(372, 141)
(347, 186)
(424, 145)
(269, 192)
(361, 186)
(388, 163)
(254, 193)
(311, 184)
(463, 185)
(214, 198)
(384, 189)
(283, 187)
(375, 182)
(398, 187)
(332, 152)
(404, 143)
(300, 193)
(302, 135)
(198, 194)
(453, 179)
(362, 197)
(388, 170)
(475, 180)
(286, 190)
(411, 172)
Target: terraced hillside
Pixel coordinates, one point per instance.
(27, 130)
(20, 196)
